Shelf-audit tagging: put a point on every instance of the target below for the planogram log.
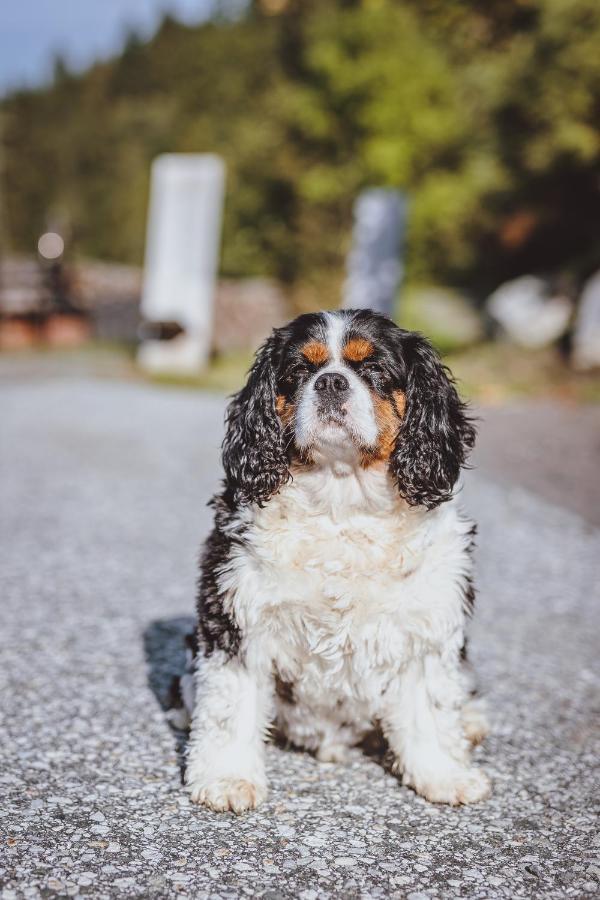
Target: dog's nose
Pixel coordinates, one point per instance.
(332, 383)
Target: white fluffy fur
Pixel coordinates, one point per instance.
(355, 598)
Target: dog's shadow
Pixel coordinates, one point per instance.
(165, 651)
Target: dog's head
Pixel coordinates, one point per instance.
(347, 387)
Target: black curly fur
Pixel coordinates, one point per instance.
(436, 433)
(254, 450)
(218, 629)
(469, 591)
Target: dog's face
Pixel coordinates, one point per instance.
(347, 387)
(340, 388)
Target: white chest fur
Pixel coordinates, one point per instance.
(340, 583)
(356, 599)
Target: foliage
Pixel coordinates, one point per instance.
(488, 115)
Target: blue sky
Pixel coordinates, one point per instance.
(33, 31)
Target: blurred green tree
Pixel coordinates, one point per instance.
(488, 115)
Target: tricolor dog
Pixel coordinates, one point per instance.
(336, 584)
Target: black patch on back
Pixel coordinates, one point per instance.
(469, 596)
(217, 629)
(469, 592)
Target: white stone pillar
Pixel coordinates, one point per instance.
(375, 265)
(181, 264)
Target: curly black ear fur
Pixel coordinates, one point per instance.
(254, 453)
(436, 434)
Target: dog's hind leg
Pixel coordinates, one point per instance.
(475, 723)
(424, 727)
(474, 720)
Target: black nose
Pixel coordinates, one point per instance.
(332, 383)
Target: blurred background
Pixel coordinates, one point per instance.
(176, 178)
(483, 119)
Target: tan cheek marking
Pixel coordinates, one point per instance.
(388, 417)
(315, 352)
(357, 349)
(284, 409)
(400, 402)
(389, 423)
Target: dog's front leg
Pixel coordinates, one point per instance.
(225, 761)
(423, 725)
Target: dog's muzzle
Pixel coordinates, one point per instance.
(332, 389)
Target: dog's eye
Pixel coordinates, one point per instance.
(372, 368)
(296, 373)
(301, 372)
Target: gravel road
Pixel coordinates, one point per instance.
(103, 492)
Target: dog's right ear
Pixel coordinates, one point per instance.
(255, 458)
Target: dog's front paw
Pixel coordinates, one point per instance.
(462, 785)
(235, 794)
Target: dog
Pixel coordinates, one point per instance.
(336, 585)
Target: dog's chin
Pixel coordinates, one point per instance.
(334, 435)
(333, 439)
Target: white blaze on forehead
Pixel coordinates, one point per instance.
(360, 415)
(336, 327)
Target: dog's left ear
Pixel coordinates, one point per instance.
(254, 453)
(436, 434)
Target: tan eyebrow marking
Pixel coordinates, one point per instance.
(315, 352)
(357, 349)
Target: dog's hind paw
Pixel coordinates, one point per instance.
(333, 753)
(465, 785)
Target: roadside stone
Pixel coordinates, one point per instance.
(445, 315)
(586, 335)
(528, 312)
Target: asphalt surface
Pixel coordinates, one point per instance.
(103, 491)
(552, 448)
